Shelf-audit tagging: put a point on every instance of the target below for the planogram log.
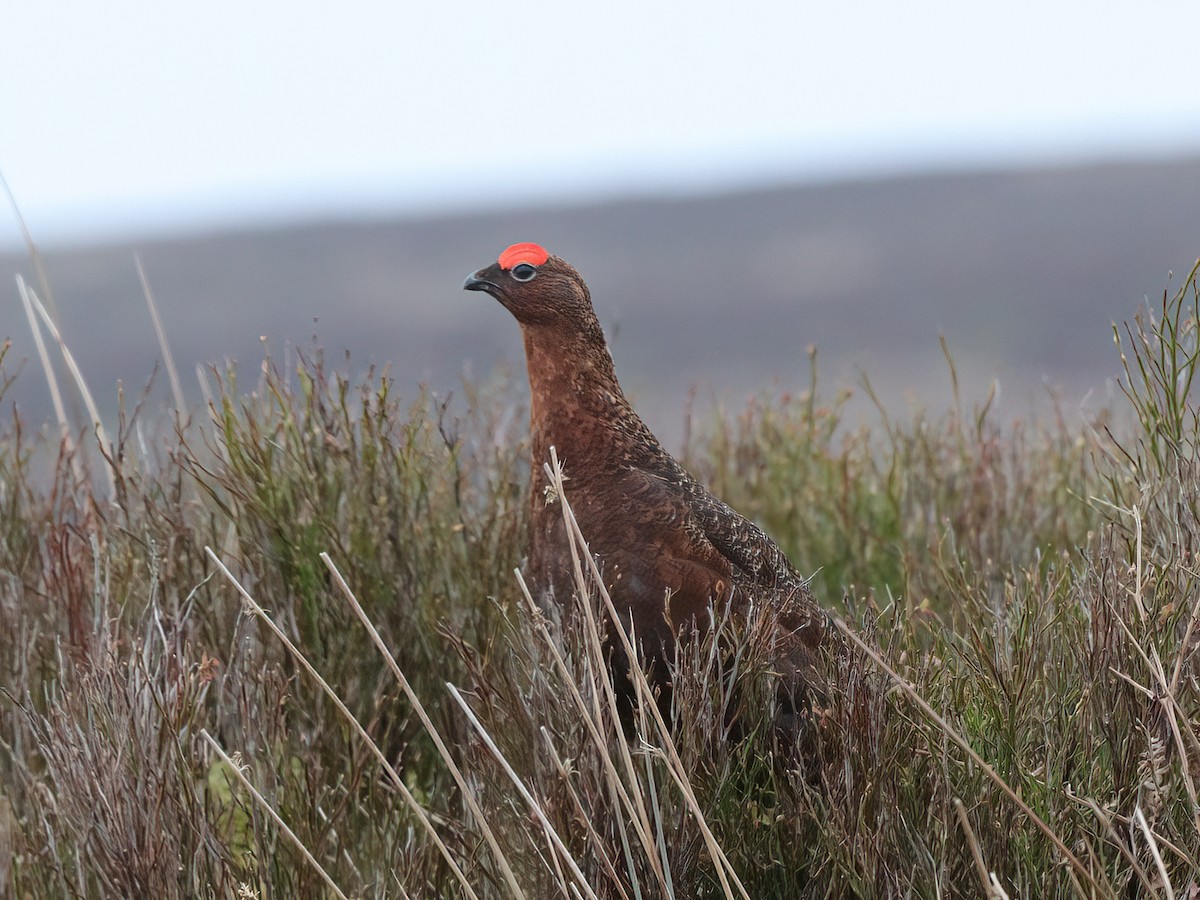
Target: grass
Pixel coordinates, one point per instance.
(281, 651)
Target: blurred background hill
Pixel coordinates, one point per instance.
(1023, 272)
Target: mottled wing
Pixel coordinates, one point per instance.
(755, 556)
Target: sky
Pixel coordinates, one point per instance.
(134, 117)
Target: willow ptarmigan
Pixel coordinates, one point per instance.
(671, 550)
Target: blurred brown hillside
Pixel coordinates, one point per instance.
(1023, 271)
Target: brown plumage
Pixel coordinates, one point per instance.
(671, 550)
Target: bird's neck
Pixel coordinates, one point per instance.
(573, 389)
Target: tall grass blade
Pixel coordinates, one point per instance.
(164, 345)
(266, 807)
(350, 719)
(468, 795)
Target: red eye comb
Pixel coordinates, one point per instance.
(523, 253)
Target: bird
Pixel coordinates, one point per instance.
(673, 553)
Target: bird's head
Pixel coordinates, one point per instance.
(537, 288)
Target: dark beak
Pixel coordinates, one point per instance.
(475, 283)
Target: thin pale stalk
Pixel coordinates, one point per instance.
(555, 861)
(275, 817)
(1177, 671)
(1165, 698)
(724, 869)
(597, 671)
(966, 747)
(51, 379)
(652, 790)
(77, 374)
(39, 266)
(1117, 838)
(534, 806)
(981, 868)
(163, 344)
(585, 817)
(595, 647)
(396, 780)
(205, 390)
(1164, 881)
(633, 807)
(501, 860)
(578, 549)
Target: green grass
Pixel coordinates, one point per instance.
(1031, 586)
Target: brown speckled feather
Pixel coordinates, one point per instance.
(670, 549)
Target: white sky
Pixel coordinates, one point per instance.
(121, 115)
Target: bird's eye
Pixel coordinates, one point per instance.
(524, 272)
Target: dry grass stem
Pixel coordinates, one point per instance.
(164, 345)
(350, 719)
(468, 794)
(973, 843)
(578, 544)
(534, 806)
(270, 811)
(60, 411)
(958, 739)
(631, 801)
(1164, 880)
